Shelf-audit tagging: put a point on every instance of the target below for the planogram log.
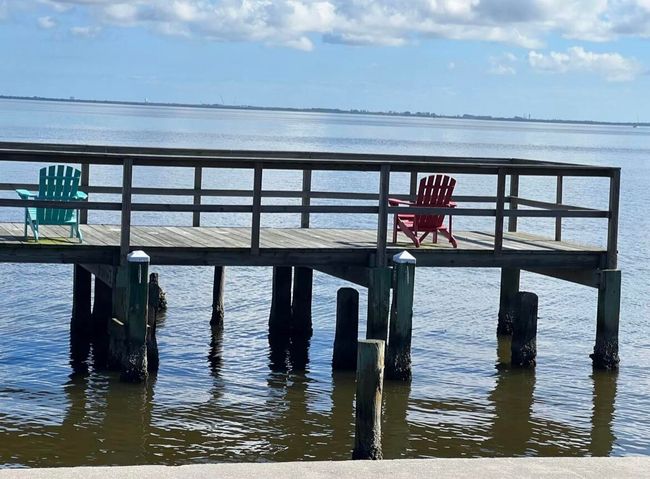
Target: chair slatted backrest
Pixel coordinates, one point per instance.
(57, 182)
(434, 191)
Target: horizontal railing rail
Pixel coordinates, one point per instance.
(506, 205)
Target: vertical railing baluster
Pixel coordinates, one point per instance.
(85, 181)
(612, 223)
(257, 209)
(498, 223)
(382, 220)
(127, 184)
(514, 194)
(198, 184)
(413, 185)
(559, 191)
(306, 199)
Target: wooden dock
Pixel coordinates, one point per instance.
(359, 255)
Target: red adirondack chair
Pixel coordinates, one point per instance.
(434, 191)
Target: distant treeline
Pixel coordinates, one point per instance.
(420, 114)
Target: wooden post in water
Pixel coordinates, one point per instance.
(301, 325)
(156, 301)
(128, 327)
(217, 297)
(280, 317)
(509, 288)
(605, 355)
(344, 356)
(370, 379)
(379, 281)
(398, 354)
(80, 327)
(100, 318)
(524, 330)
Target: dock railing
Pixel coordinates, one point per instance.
(503, 204)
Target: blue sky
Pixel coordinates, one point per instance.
(578, 59)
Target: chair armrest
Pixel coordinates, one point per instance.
(396, 202)
(24, 194)
(80, 196)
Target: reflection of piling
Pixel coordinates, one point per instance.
(218, 310)
(398, 354)
(602, 417)
(344, 356)
(524, 330)
(370, 377)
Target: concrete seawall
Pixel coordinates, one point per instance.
(520, 468)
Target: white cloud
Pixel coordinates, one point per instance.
(87, 31)
(503, 64)
(612, 66)
(46, 22)
(295, 23)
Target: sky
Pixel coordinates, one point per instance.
(570, 59)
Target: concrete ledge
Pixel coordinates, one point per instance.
(520, 468)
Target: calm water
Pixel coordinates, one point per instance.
(223, 398)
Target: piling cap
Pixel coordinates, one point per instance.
(138, 257)
(404, 257)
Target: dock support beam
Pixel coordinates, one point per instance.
(344, 356)
(128, 327)
(379, 281)
(398, 354)
(524, 330)
(605, 355)
(301, 324)
(218, 310)
(81, 314)
(509, 288)
(370, 384)
(280, 317)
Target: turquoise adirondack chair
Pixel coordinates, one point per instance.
(60, 183)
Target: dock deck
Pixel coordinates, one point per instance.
(184, 245)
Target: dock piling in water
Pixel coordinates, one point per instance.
(280, 316)
(156, 302)
(344, 356)
(398, 353)
(524, 330)
(370, 379)
(379, 281)
(509, 288)
(605, 355)
(218, 310)
(101, 315)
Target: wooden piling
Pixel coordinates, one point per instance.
(80, 327)
(344, 356)
(280, 317)
(301, 324)
(217, 297)
(101, 315)
(379, 281)
(524, 330)
(510, 278)
(370, 378)
(398, 354)
(155, 298)
(605, 355)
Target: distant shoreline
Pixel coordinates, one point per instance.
(406, 114)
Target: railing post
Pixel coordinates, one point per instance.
(559, 190)
(514, 194)
(413, 185)
(127, 184)
(612, 223)
(198, 184)
(306, 200)
(257, 209)
(382, 220)
(498, 223)
(85, 181)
